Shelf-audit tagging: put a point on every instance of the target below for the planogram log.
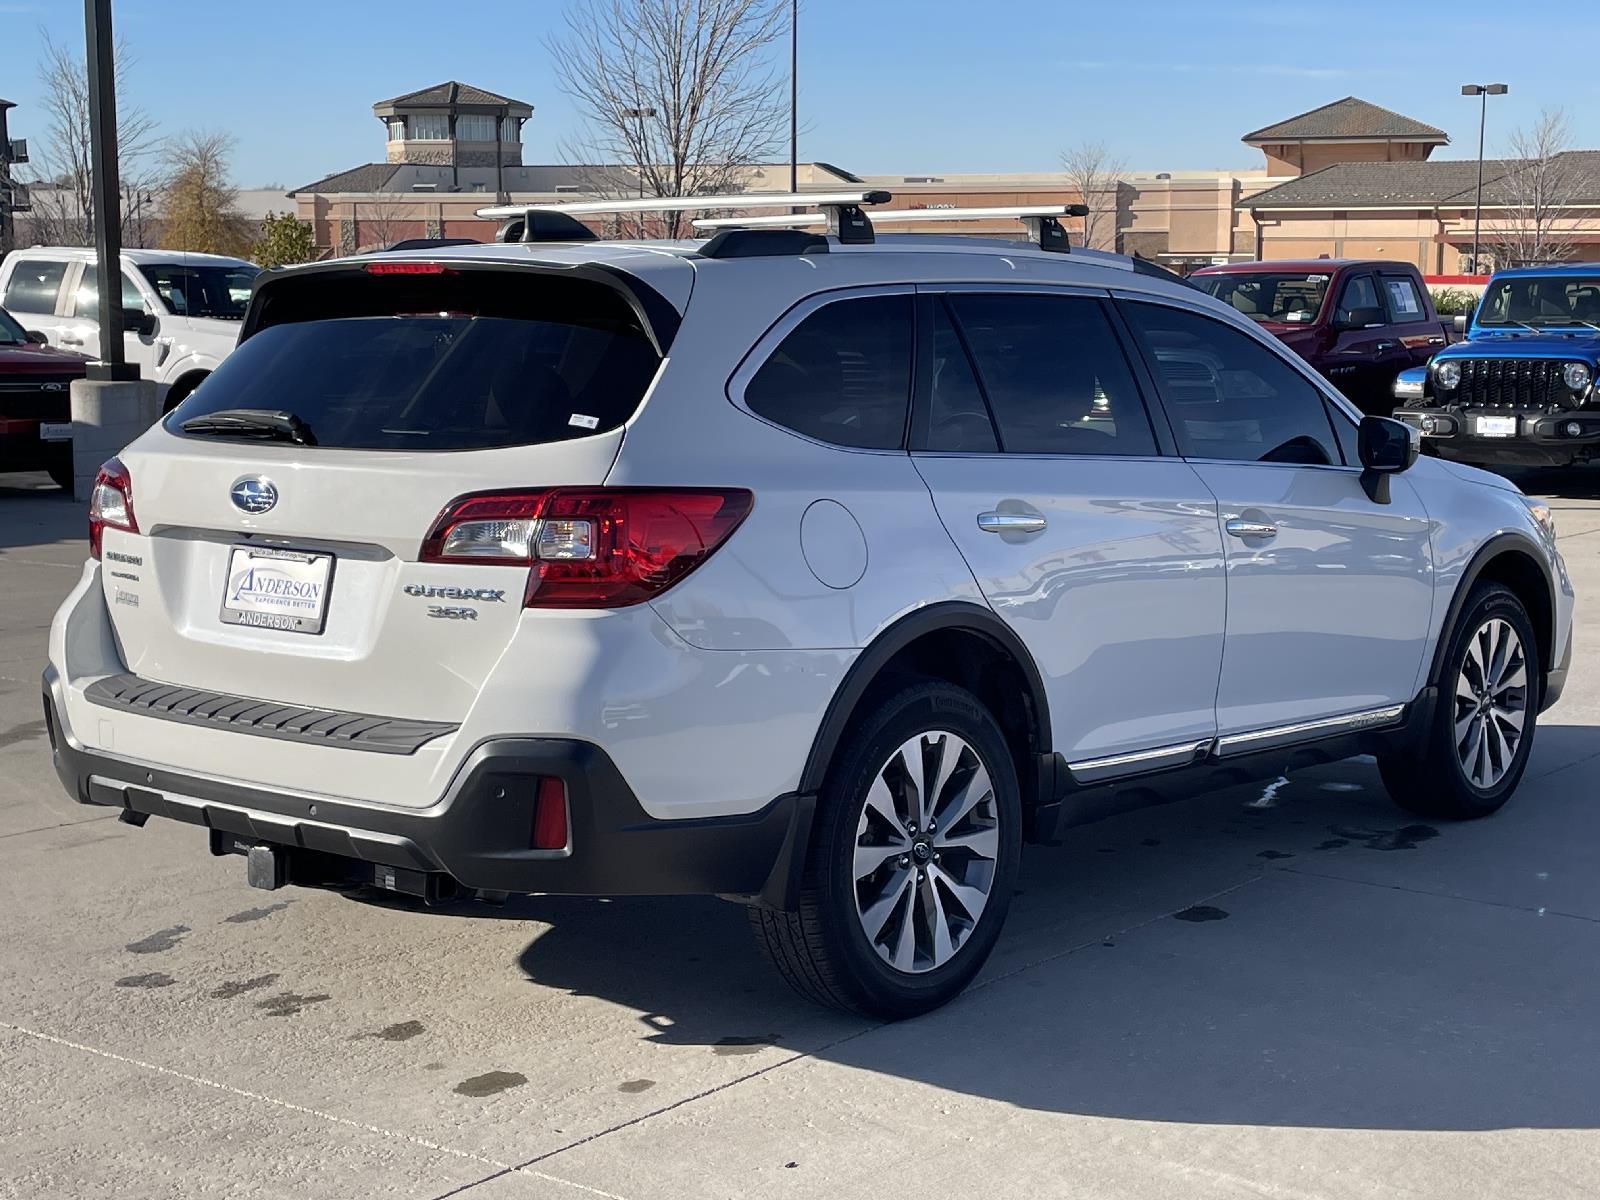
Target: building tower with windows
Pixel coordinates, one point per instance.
(455, 125)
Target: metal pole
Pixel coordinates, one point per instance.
(794, 94)
(1477, 208)
(639, 112)
(5, 183)
(101, 59)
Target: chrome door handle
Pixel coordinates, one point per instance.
(1010, 522)
(66, 339)
(1240, 528)
(1381, 346)
(1436, 341)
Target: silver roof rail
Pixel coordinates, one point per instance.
(1042, 220)
(842, 212)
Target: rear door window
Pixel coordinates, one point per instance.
(35, 284)
(1405, 306)
(842, 375)
(86, 300)
(1360, 293)
(466, 362)
(1054, 374)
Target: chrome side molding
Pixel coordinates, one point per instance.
(1094, 770)
(1307, 731)
(1139, 762)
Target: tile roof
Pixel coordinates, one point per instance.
(369, 177)
(451, 92)
(1414, 184)
(1349, 118)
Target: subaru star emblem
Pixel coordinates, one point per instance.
(253, 495)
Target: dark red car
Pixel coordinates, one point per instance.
(1360, 322)
(35, 406)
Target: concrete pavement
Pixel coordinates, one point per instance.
(1311, 996)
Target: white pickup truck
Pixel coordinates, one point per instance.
(181, 310)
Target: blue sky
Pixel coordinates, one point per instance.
(890, 86)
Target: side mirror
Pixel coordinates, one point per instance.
(1361, 318)
(37, 338)
(1411, 384)
(1386, 447)
(1460, 322)
(137, 320)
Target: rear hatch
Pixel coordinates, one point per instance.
(281, 510)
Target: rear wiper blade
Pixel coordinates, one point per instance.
(257, 422)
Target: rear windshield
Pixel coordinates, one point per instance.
(1293, 299)
(521, 371)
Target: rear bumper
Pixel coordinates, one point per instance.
(478, 834)
(1542, 439)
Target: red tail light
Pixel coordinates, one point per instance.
(550, 815)
(110, 504)
(589, 547)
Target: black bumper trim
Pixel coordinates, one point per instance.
(479, 833)
(263, 718)
(1539, 439)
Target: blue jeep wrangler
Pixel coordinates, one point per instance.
(1520, 391)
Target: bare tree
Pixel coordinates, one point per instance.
(680, 92)
(381, 223)
(201, 207)
(63, 189)
(1094, 174)
(1532, 219)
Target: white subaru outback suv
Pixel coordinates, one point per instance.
(809, 571)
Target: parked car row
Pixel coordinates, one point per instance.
(181, 315)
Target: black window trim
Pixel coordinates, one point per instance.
(1334, 403)
(935, 293)
(764, 346)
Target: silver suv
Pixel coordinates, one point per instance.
(816, 571)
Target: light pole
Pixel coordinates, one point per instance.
(639, 114)
(1483, 91)
(794, 94)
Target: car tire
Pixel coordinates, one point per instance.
(899, 938)
(1476, 747)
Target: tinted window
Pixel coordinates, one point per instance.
(222, 292)
(1230, 397)
(11, 334)
(1404, 303)
(1360, 292)
(958, 418)
(843, 375)
(537, 363)
(1054, 374)
(86, 302)
(34, 286)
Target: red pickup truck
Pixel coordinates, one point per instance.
(1358, 321)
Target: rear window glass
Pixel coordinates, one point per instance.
(843, 375)
(34, 286)
(524, 369)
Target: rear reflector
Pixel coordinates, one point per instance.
(550, 815)
(408, 268)
(589, 547)
(110, 503)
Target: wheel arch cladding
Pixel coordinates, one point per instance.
(961, 643)
(1513, 561)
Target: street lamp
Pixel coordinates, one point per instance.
(639, 114)
(794, 94)
(1483, 91)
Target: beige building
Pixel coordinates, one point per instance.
(1346, 179)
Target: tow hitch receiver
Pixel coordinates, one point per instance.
(268, 868)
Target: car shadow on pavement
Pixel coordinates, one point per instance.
(1307, 954)
(34, 512)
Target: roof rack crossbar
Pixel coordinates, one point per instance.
(1042, 220)
(843, 212)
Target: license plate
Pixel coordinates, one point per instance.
(1496, 426)
(277, 589)
(55, 431)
